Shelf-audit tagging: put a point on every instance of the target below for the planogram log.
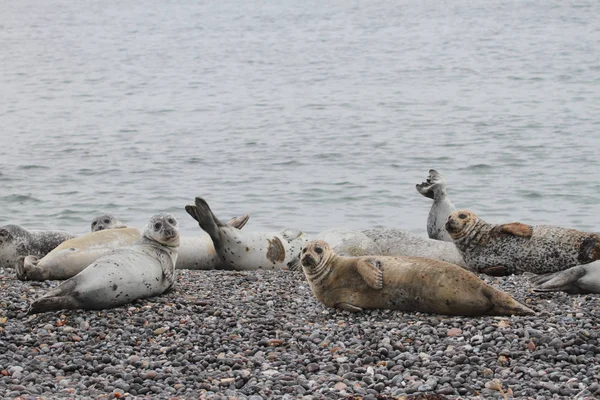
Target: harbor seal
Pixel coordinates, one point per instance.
(515, 248)
(243, 250)
(396, 242)
(401, 283)
(17, 242)
(581, 279)
(144, 269)
(435, 188)
(74, 255)
(106, 221)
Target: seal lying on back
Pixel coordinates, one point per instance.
(516, 248)
(581, 279)
(144, 269)
(73, 256)
(243, 250)
(106, 221)
(396, 242)
(400, 283)
(17, 242)
(435, 188)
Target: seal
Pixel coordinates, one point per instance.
(348, 242)
(515, 248)
(401, 283)
(435, 188)
(243, 250)
(396, 242)
(144, 269)
(581, 279)
(74, 255)
(17, 242)
(106, 221)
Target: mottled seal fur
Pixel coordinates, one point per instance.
(435, 188)
(348, 242)
(243, 250)
(396, 242)
(581, 279)
(106, 221)
(144, 269)
(17, 242)
(74, 255)
(401, 283)
(515, 248)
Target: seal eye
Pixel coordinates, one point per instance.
(157, 226)
(318, 250)
(94, 223)
(462, 216)
(304, 250)
(171, 221)
(106, 221)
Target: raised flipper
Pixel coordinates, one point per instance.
(497, 270)
(427, 188)
(515, 229)
(209, 223)
(370, 270)
(348, 307)
(238, 222)
(567, 281)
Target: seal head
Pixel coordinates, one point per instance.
(106, 221)
(163, 228)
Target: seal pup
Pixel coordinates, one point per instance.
(74, 255)
(243, 250)
(396, 242)
(144, 269)
(581, 279)
(515, 248)
(435, 188)
(17, 242)
(401, 283)
(106, 221)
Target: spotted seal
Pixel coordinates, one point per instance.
(243, 250)
(106, 221)
(74, 255)
(515, 248)
(401, 283)
(17, 242)
(581, 279)
(435, 188)
(396, 242)
(144, 269)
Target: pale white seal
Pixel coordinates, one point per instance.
(243, 250)
(435, 188)
(17, 242)
(144, 269)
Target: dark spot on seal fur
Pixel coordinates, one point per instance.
(114, 286)
(276, 252)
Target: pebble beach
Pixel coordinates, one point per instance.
(261, 335)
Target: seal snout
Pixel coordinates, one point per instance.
(308, 260)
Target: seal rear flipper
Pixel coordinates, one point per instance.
(238, 222)
(564, 281)
(503, 304)
(46, 304)
(348, 307)
(371, 272)
(209, 223)
(516, 229)
(27, 269)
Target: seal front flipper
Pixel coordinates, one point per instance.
(370, 270)
(497, 270)
(348, 307)
(209, 223)
(238, 222)
(516, 229)
(564, 281)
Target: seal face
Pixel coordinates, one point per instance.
(434, 188)
(242, 250)
(106, 221)
(16, 243)
(400, 283)
(515, 248)
(144, 269)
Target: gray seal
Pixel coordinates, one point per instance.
(106, 221)
(581, 279)
(144, 269)
(16, 243)
(435, 188)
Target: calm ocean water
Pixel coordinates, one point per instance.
(304, 114)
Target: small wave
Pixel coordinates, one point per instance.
(478, 167)
(32, 166)
(20, 198)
